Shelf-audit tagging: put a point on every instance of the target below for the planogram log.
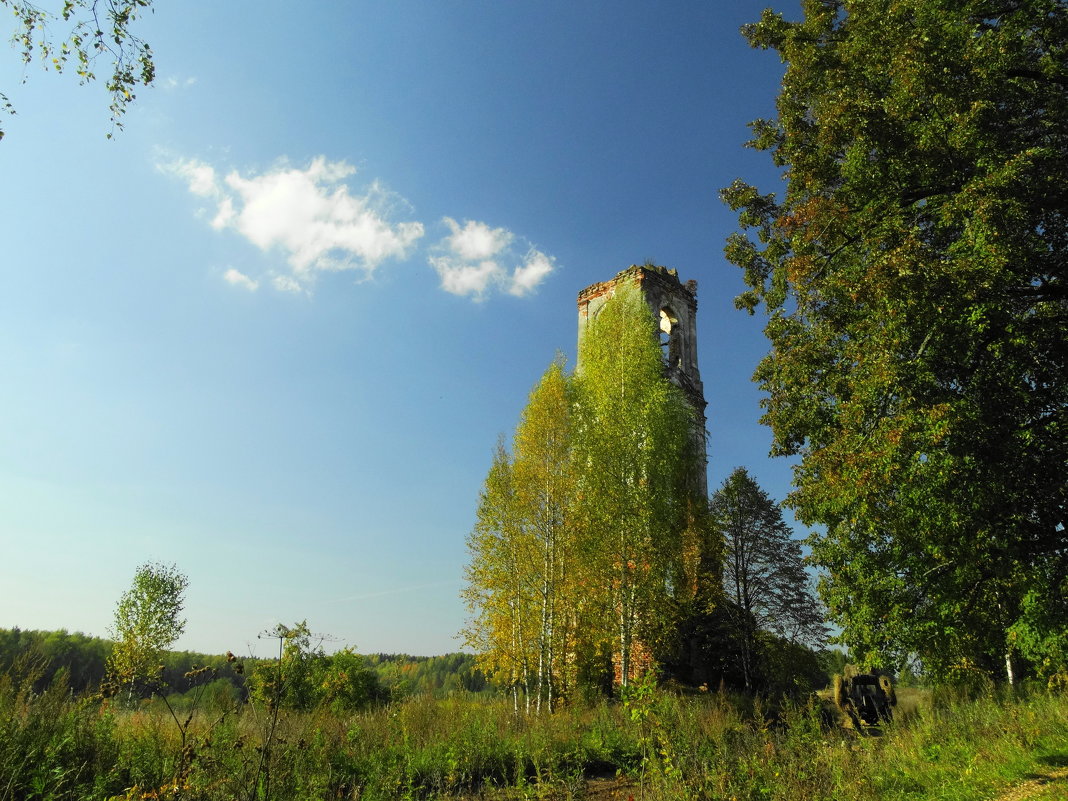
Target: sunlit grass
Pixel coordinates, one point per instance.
(662, 746)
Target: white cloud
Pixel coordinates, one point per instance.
(310, 215)
(238, 278)
(286, 283)
(225, 214)
(535, 269)
(319, 223)
(466, 279)
(199, 176)
(476, 241)
(471, 261)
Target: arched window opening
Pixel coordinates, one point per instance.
(669, 337)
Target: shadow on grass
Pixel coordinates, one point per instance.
(1058, 760)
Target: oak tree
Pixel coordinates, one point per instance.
(913, 273)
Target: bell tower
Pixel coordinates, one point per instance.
(674, 306)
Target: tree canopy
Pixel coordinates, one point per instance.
(913, 273)
(522, 574)
(147, 622)
(305, 677)
(635, 460)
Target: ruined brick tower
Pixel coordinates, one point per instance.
(674, 305)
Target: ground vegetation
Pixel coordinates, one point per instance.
(653, 744)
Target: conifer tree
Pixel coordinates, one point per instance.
(763, 573)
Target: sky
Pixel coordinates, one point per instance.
(272, 330)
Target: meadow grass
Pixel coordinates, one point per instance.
(663, 746)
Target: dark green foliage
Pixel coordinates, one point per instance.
(766, 586)
(84, 660)
(703, 647)
(788, 668)
(832, 661)
(305, 677)
(82, 657)
(706, 651)
(179, 667)
(914, 277)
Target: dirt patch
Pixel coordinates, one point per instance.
(1046, 786)
(611, 789)
(597, 788)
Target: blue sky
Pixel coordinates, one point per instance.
(272, 330)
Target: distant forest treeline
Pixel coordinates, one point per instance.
(44, 653)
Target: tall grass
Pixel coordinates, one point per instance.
(662, 746)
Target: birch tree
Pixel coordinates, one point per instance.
(498, 588)
(634, 455)
(578, 544)
(543, 484)
(523, 574)
(89, 30)
(147, 622)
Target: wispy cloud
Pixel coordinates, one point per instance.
(285, 283)
(174, 82)
(238, 278)
(475, 258)
(320, 224)
(310, 215)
